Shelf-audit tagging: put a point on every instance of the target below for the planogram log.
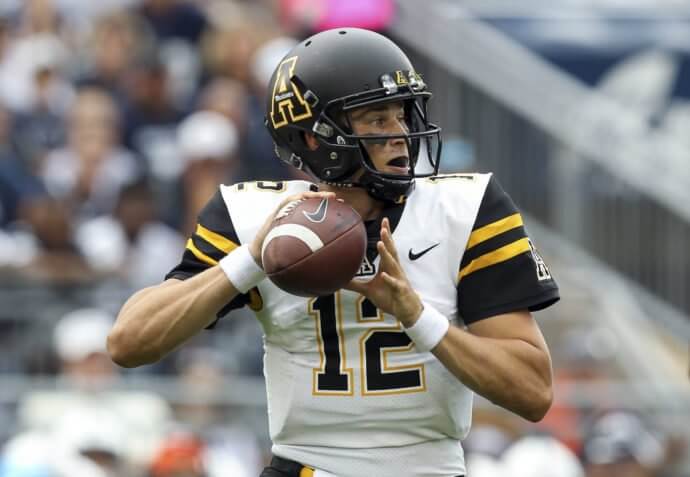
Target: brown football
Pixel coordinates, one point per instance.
(314, 247)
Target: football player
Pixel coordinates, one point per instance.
(376, 379)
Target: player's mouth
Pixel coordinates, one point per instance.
(399, 165)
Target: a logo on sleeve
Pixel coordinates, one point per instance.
(542, 270)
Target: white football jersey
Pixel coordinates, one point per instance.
(348, 392)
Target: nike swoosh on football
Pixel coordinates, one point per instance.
(414, 256)
(319, 214)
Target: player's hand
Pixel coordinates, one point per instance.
(255, 246)
(390, 290)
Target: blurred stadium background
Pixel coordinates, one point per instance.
(118, 118)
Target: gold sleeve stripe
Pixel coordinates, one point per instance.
(217, 240)
(306, 472)
(497, 256)
(495, 228)
(199, 254)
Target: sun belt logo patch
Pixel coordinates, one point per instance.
(542, 270)
(288, 104)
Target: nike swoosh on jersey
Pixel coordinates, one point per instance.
(319, 214)
(414, 256)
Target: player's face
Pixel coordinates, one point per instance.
(388, 156)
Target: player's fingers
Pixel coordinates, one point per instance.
(391, 281)
(388, 262)
(387, 238)
(310, 195)
(326, 194)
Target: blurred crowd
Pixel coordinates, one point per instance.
(118, 120)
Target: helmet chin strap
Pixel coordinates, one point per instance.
(378, 187)
(385, 190)
(381, 188)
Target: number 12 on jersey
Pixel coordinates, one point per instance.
(333, 377)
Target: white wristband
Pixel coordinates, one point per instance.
(429, 329)
(241, 269)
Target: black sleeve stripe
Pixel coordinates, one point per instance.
(493, 229)
(499, 255)
(492, 244)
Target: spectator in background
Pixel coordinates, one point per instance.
(77, 342)
(585, 354)
(230, 445)
(38, 454)
(619, 444)
(179, 455)
(4, 36)
(88, 173)
(132, 422)
(174, 19)
(178, 26)
(208, 144)
(228, 97)
(232, 99)
(38, 46)
(540, 456)
(116, 43)
(41, 127)
(236, 31)
(260, 150)
(36, 230)
(97, 435)
(52, 256)
(16, 177)
(490, 436)
(151, 118)
(34, 81)
(132, 243)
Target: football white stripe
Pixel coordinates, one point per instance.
(300, 232)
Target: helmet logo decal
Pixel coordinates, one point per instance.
(397, 79)
(288, 104)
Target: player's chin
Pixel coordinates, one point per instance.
(396, 171)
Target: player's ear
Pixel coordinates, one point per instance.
(311, 141)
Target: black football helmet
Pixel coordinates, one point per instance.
(336, 71)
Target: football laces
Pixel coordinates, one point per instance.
(288, 208)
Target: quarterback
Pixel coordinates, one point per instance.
(376, 379)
